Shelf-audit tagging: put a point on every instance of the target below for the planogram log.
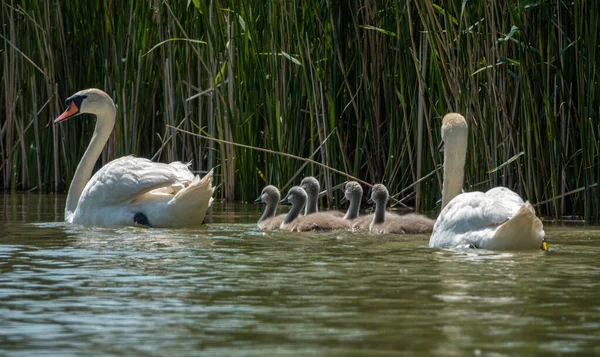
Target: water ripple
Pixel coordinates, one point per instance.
(228, 289)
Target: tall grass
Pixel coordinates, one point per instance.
(284, 75)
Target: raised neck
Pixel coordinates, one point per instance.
(311, 204)
(293, 213)
(379, 216)
(353, 208)
(269, 212)
(454, 169)
(105, 123)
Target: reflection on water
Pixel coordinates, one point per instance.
(228, 289)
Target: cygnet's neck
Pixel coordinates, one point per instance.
(312, 201)
(294, 212)
(353, 208)
(379, 216)
(269, 211)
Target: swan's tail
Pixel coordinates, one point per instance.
(523, 231)
(189, 205)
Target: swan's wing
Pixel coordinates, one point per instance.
(507, 197)
(125, 178)
(472, 217)
(185, 177)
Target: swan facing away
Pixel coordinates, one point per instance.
(129, 190)
(312, 187)
(497, 219)
(269, 221)
(353, 194)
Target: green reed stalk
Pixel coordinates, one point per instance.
(283, 75)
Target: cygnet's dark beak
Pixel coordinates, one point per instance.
(441, 146)
(370, 201)
(258, 200)
(285, 199)
(343, 200)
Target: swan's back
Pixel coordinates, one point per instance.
(497, 219)
(169, 195)
(126, 178)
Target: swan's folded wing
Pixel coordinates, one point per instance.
(126, 178)
(508, 197)
(471, 212)
(471, 217)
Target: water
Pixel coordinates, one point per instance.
(230, 290)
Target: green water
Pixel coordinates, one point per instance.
(230, 290)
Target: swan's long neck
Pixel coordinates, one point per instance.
(104, 126)
(311, 204)
(294, 212)
(379, 216)
(353, 208)
(269, 212)
(455, 153)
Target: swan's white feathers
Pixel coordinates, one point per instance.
(127, 178)
(168, 195)
(476, 218)
(497, 219)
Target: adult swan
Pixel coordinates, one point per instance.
(129, 190)
(496, 219)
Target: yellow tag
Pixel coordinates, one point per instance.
(545, 245)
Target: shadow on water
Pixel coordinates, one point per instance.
(228, 289)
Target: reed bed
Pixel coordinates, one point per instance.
(374, 77)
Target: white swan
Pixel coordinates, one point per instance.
(496, 219)
(129, 190)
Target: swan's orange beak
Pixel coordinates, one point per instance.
(69, 112)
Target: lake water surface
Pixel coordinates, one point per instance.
(230, 290)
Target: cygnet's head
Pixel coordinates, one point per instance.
(379, 194)
(353, 191)
(296, 196)
(269, 195)
(92, 101)
(311, 186)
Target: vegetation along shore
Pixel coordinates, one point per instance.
(359, 86)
